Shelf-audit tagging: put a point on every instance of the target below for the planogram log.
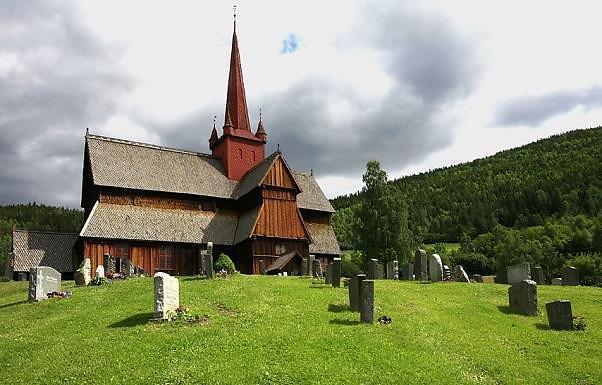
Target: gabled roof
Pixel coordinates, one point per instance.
(111, 221)
(311, 197)
(324, 241)
(42, 248)
(140, 166)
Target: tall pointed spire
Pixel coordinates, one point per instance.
(236, 102)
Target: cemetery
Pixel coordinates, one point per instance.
(450, 331)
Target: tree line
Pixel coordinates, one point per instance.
(541, 202)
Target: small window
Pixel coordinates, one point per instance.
(240, 153)
(165, 260)
(279, 249)
(253, 154)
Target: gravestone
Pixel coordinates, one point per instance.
(537, 275)
(477, 278)
(108, 263)
(522, 297)
(83, 275)
(336, 272)
(42, 280)
(167, 295)
(207, 259)
(489, 278)
(380, 271)
(261, 263)
(570, 276)
(518, 273)
(367, 301)
(210, 248)
(100, 271)
(372, 263)
(310, 265)
(446, 273)
(317, 268)
(420, 265)
(460, 275)
(560, 315)
(407, 272)
(556, 281)
(501, 276)
(304, 266)
(354, 291)
(435, 268)
(392, 270)
(328, 275)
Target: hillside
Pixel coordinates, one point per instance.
(525, 186)
(35, 217)
(287, 330)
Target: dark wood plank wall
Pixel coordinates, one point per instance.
(280, 176)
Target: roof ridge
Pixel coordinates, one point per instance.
(147, 145)
(43, 232)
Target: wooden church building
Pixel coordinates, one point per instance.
(159, 206)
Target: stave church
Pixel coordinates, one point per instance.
(159, 206)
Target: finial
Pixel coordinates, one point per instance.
(278, 147)
(87, 130)
(214, 118)
(311, 171)
(234, 9)
(260, 115)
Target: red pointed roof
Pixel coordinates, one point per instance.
(236, 102)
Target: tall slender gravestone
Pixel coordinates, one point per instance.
(372, 267)
(392, 270)
(167, 295)
(380, 270)
(304, 266)
(367, 301)
(336, 272)
(354, 291)
(435, 268)
(310, 265)
(261, 263)
(537, 275)
(317, 268)
(83, 275)
(560, 315)
(518, 273)
(43, 280)
(207, 260)
(570, 276)
(420, 265)
(522, 297)
(328, 275)
(407, 272)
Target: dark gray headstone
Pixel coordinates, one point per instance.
(420, 265)
(380, 271)
(478, 278)
(354, 291)
(367, 301)
(261, 264)
(435, 268)
(207, 264)
(336, 272)
(43, 280)
(317, 268)
(310, 265)
(560, 315)
(392, 270)
(328, 275)
(372, 267)
(407, 272)
(522, 297)
(518, 273)
(537, 275)
(570, 276)
(460, 275)
(304, 266)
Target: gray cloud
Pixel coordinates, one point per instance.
(433, 66)
(534, 110)
(62, 79)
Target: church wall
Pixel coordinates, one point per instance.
(239, 155)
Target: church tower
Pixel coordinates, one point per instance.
(238, 148)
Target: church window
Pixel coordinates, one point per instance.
(240, 153)
(165, 259)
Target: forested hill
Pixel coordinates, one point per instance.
(560, 175)
(35, 217)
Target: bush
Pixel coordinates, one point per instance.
(99, 281)
(474, 262)
(588, 264)
(224, 263)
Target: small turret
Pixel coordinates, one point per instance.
(260, 134)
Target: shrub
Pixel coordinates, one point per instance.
(474, 262)
(224, 263)
(99, 281)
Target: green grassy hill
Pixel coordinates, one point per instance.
(275, 330)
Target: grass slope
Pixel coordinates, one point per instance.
(276, 330)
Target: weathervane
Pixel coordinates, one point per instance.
(234, 9)
(214, 118)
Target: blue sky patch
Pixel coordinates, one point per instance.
(290, 44)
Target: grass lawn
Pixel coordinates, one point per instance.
(286, 330)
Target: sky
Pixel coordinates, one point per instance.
(416, 85)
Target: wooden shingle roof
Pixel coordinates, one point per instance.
(41, 248)
(324, 241)
(128, 222)
(311, 197)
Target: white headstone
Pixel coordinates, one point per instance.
(435, 268)
(43, 280)
(167, 295)
(83, 275)
(100, 271)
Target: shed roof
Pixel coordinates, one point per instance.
(43, 248)
(281, 261)
(324, 241)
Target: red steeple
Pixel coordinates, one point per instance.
(238, 148)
